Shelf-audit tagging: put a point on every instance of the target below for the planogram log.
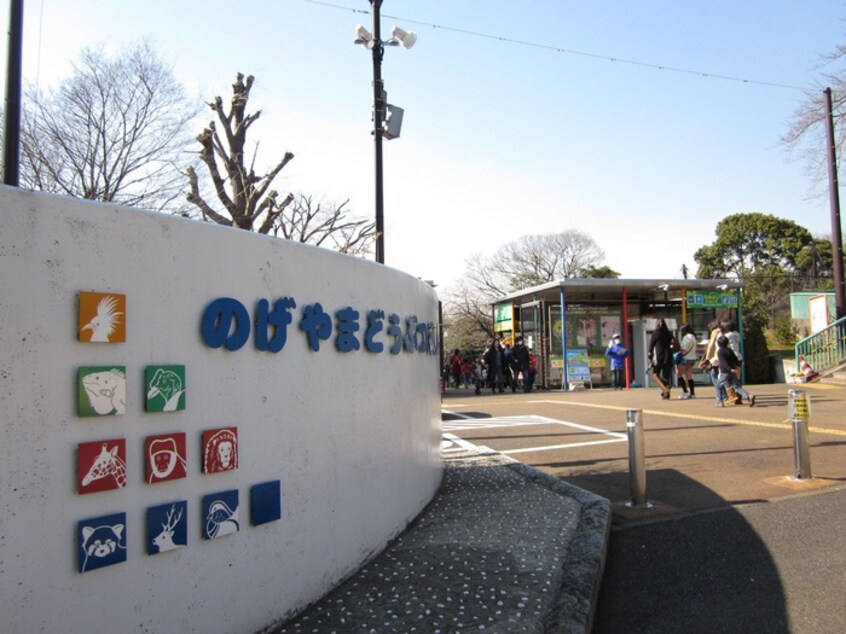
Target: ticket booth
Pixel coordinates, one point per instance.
(571, 322)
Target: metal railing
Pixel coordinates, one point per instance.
(825, 349)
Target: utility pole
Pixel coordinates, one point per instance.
(378, 117)
(12, 113)
(834, 196)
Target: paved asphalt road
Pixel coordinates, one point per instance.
(732, 542)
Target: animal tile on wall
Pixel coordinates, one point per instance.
(101, 390)
(164, 386)
(220, 449)
(165, 457)
(167, 527)
(220, 514)
(102, 317)
(101, 465)
(265, 502)
(101, 541)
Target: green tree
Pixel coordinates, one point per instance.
(816, 262)
(768, 290)
(747, 243)
(756, 354)
(602, 272)
(768, 254)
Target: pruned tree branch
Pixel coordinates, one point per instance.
(249, 200)
(244, 195)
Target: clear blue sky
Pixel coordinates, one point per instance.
(502, 138)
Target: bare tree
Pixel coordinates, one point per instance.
(528, 261)
(468, 302)
(247, 198)
(535, 259)
(313, 223)
(115, 131)
(244, 194)
(807, 136)
(468, 320)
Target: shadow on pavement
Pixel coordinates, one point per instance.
(690, 563)
(464, 415)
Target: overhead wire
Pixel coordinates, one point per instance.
(568, 51)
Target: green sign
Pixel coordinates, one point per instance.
(712, 299)
(502, 313)
(165, 388)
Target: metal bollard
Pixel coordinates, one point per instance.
(637, 464)
(799, 410)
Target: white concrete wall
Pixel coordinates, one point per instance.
(353, 437)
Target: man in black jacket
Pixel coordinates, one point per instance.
(520, 359)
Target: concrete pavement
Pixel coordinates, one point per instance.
(731, 541)
(502, 548)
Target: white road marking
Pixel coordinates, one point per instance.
(460, 444)
(570, 446)
(468, 423)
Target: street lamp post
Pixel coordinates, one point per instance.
(12, 116)
(382, 111)
(834, 195)
(378, 116)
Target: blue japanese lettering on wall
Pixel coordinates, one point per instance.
(316, 324)
(276, 320)
(421, 335)
(374, 327)
(226, 324)
(347, 325)
(410, 342)
(217, 324)
(395, 331)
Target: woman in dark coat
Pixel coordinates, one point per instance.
(493, 361)
(661, 357)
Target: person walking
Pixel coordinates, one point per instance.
(520, 360)
(661, 357)
(478, 374)
(729, 330)
(455, 368)
(467, 372)
(507, 378)
(617, 353)
(685, 358)
(729, 370)
(493, 360)
(533, 371)
(711, 363)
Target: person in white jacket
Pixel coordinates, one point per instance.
(686, 357)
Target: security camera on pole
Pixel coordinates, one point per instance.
(387, 119)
